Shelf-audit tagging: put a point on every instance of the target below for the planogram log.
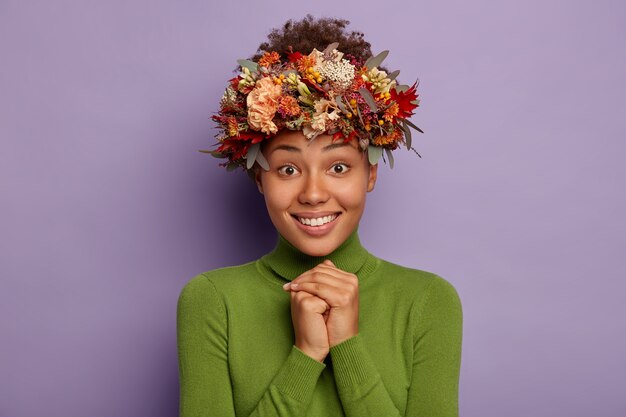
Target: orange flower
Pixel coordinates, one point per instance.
(269, 58)
(305, 62)
(382, 140)
(262, 105)
(233, 127)
(391, 112)
(358, 81)
(289, 106)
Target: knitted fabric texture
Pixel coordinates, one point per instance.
(237, 357)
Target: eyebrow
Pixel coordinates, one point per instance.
(335, 145)
(286, 148)
(326, 148)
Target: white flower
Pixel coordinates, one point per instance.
(334, 68)
(229, 97)
(321, 117)
(379, 80)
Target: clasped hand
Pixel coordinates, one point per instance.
(324, 308)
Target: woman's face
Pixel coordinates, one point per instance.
(322, 179)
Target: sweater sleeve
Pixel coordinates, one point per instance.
(205, 385)
(434, 389)
(436, 363)
(359, 384)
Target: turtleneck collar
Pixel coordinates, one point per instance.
(289, 262)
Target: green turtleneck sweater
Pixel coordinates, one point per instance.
(237, 357)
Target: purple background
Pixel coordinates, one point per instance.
(108, 209)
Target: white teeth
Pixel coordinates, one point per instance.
(317, 221)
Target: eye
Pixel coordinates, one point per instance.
(340, 168)
(287, 170)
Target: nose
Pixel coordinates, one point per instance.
(314, 189)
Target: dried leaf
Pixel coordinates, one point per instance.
(251, 155)
(408, 122)
(376, 60)
(260, 158)
(359, 113)
(402, 88)
(340, 104)
(369, 98)
(390, 156)
(374, 153)
(407, 133)
(330, 48)
(246, 63)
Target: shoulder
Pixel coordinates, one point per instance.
(403, 275)
(216, 281)
(423, 286)
(220, 276)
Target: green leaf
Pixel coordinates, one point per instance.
(260, 158)
(376, 60)
(374, 153)
(393, 75)
(251, 155)
(390, 156)
(246, 63)
(369, 98)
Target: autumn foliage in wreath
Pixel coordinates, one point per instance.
(322, 92)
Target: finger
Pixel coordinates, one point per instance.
(338, 275)
(333, 270)
(309, 301)
(334, 296)
(316, 276)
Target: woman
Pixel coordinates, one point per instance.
(319, 326)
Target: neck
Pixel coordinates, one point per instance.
(289, 262)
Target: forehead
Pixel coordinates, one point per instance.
(296, 142)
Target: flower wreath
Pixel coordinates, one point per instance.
(323, 92)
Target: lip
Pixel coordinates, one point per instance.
(316, 230)
(314, 214)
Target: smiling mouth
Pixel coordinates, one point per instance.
(316, 222)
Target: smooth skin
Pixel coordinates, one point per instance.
(312, 176)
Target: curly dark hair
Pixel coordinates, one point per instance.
(310, 32)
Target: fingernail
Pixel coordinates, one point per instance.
(286, 285)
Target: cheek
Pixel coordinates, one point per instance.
(276, 197)
(351, 195)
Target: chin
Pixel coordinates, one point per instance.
(317, 251)
(316, 246)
